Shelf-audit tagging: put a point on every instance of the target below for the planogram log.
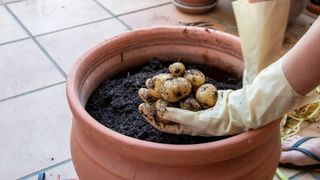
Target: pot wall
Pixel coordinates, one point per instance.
(195, 6)
(100, 153)
(196, 2)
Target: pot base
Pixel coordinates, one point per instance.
(314, 8)
(194, 9)
(254, 164)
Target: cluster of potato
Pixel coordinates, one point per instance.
(180, 86)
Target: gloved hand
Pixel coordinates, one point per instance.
(261, 28)
(268, 98)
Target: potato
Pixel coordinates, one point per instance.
(154, 83)
(195, 76)
(174, 90)
(190, 104)
(177, 69)
(206, 95)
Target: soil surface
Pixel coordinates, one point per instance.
(115, 103)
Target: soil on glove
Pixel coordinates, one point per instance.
(115, 102)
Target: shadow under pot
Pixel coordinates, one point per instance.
(98, 152)
(195, 6)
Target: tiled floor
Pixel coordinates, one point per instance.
(39, 40)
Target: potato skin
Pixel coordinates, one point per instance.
(154, 83)
(195, 76)
(177, 69)
(190, 104)
(173, 90)
(206, 95)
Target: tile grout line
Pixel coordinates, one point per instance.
(221, 21)
(84, 24)
(293, 175)
(13, 41)
(32, 91)
(54, 63)
(131, 12)
(301, 173)
(143, 9)
(72, 27)
(47, 54)
(59, 30)
(13, 2)
(112, 14)
(45, 169)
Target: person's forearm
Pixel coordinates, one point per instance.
(302, 69)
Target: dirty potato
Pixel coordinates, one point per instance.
(190, 104)
(154, 83)
(177, 69)
(206, 95)
(195, 76)
(173, 90)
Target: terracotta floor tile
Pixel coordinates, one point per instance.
(290, 40)
(10, 29)
(34, 132)
(42, 16)
(288, 172)
(233, 30)
(125, 6)
(224, 12)
(168, 15)
(66, 46)
(301, 24)
(315, 174)
(23, 67)
(11, 1)
(305, 176)
(64, 172)
(310, 14)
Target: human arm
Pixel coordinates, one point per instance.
(269, 97)
(302, 69)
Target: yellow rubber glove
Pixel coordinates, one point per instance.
(268, 98)
(261, 28)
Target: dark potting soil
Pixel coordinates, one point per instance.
(115, 102)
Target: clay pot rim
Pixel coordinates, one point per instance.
(194, 9)
(80, 113)
(313, 8)
(195, 6)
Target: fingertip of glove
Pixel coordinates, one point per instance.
(145, 95)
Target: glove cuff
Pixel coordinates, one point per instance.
(261, 28)
(268, 98)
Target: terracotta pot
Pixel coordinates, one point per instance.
(314, 6)
(195, 6)
(101, 153)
